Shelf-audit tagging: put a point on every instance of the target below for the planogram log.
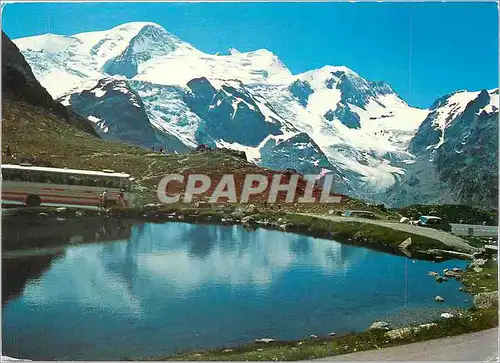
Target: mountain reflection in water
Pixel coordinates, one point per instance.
(176, 286)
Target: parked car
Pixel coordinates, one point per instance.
(434, 222)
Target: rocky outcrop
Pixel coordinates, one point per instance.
(485, 300)
(229, 113)
(456, 154)
(402, 333)
(118, 113)
(379, 325)
(19, 84)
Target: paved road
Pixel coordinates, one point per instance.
(450, 240)
(480, 346)
(477, 230)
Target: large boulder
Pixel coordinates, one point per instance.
(450, 273)
(406, 331)
(446, 315)
(380, 325)
(251, 208)
(248, 220)
(404, 246)
(485, 300)
(477, 263)
(265, 340)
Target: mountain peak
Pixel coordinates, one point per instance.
(136, 26)
(335, 69)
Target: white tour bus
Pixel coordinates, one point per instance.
(34, 185)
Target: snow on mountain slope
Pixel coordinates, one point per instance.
(168, 111)
(456, 153)
(363, 127)
(118, 113)
(250, 101)
(66, 64)
(447, 112)
(257, 66)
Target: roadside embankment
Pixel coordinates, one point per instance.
(379, 235)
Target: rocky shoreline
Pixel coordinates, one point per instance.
(381, 334)
(379, 238)
(479, 270)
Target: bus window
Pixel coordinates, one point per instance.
(7, 174)
(55, 178)
(25, 176)
(112, 183)
(39, 178)
(17, 176)
(92, 181)
(33, 176)
(124, 184)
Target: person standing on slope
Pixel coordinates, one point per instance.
(104, 199)
(121, 199)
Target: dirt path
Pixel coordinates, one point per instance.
(450, 240)
(473, 347)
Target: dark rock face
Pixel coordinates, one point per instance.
(19, 84)
(118, 113)
(157, 40)
(233, 114)
(425, 136)
(345, 114)
(357, 91)
(235, 153)
(468, 160)
(306, 154)
(464, 168)
(301, 90)
(230, 114)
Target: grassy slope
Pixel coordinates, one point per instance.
(41, 138)
(484, 281)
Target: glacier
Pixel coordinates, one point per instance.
(329, 118)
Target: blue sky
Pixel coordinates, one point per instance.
(424, 50)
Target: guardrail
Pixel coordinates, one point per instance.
(475, 230)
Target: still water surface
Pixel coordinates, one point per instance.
(172, 287)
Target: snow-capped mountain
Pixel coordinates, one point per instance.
(456, 150)
(19, 84)
(130, 124)
(329, 118)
